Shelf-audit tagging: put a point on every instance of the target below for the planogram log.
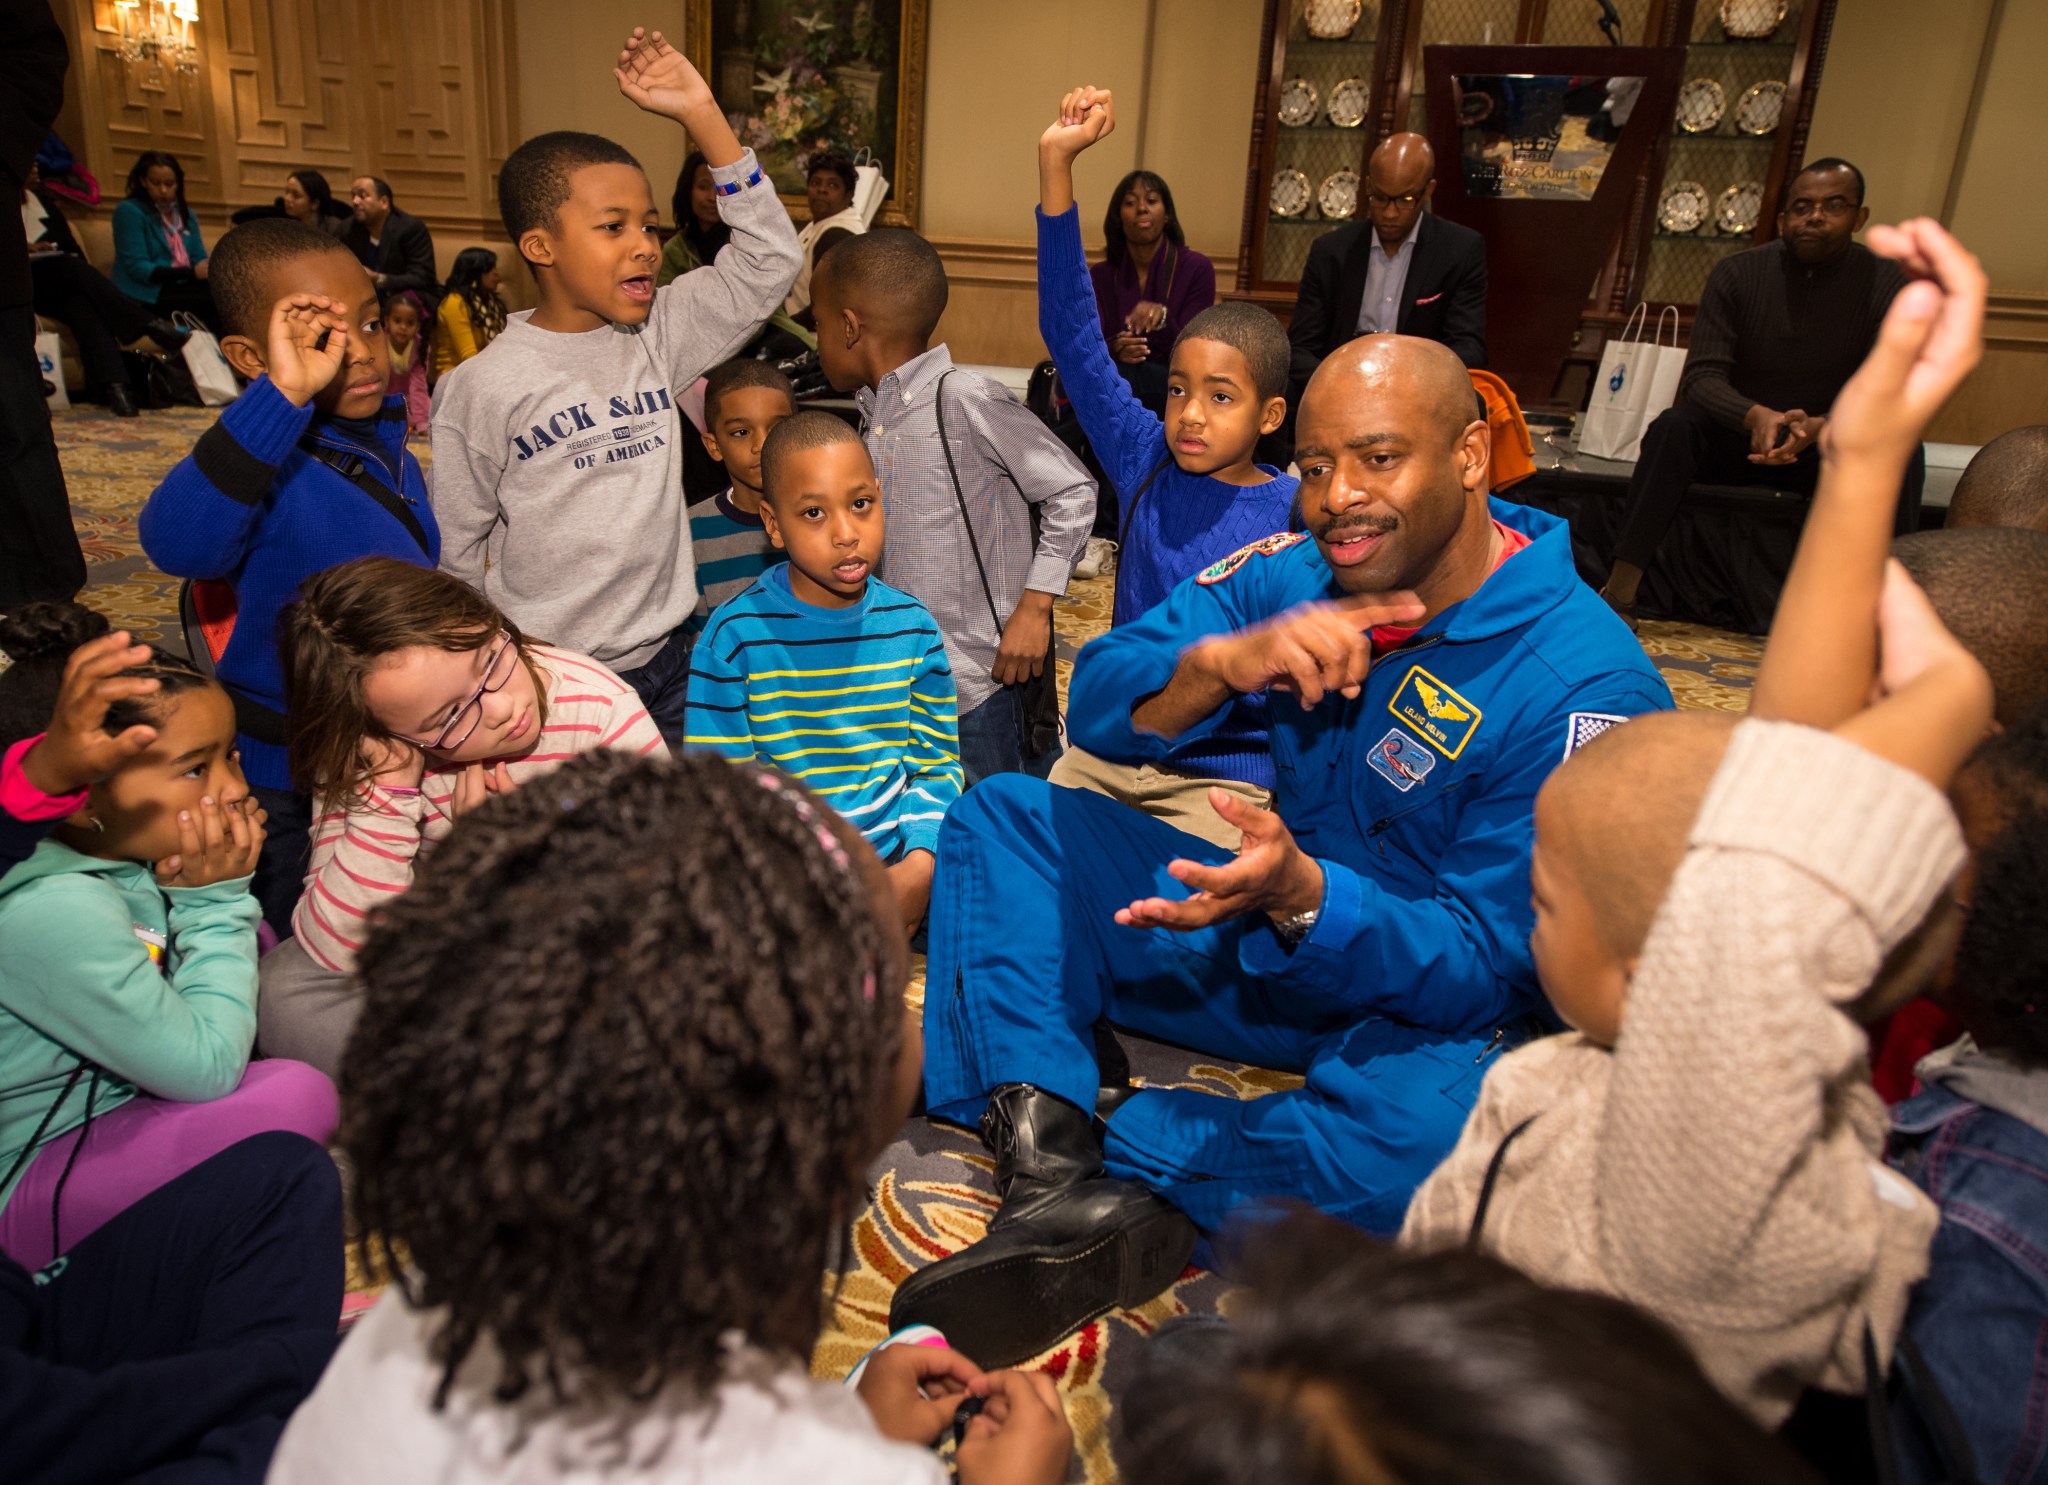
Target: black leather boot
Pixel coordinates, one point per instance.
(1069, 1244)
(171, 337)
(120, 401)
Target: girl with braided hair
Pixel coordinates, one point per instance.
(127, 939)
(410, 700)
(627, 1049)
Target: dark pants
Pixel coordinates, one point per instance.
(992, 740)
(101, 318)
(39, 555)
(1685, 446)
(287, 848)
(173, 1343)
(182, 296)
(664, 686)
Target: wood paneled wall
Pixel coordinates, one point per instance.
(422, 95)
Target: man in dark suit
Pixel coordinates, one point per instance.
(1403, 271)
(394, 245)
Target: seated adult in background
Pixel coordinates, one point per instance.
(1780, 328)
(1372, 933)
(1402, 271)
(2005, 483)
(829, 189)
(394, 245)
(306, 198)
(69, 290)
(1149, 284)
(472, 311)
(159, 256)
(701, 233)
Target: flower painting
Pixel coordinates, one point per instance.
(800, 77)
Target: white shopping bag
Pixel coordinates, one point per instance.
(1613, 419)
(1665, 364)
(870, 187)
(211, 373)
(50, 361)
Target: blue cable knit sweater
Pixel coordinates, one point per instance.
(1184, 522)
(250, 506)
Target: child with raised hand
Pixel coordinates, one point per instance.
(629, 1046)
(1190, 490)
(1707, 1143)
(413, 700)
(307, 468)
(744, 399)
(824, 671)
(127, 937)
(557, 466)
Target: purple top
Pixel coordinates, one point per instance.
(1180, 278)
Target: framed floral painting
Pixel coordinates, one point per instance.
(799, 77)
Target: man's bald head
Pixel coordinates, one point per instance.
(1399, 179)
(1393, 467)
(1989, 585)
(1617, 814)
(2006, 483)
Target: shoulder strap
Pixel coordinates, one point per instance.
(953, 474)
(1131, 505)
(1500, 1155)
(352, 468)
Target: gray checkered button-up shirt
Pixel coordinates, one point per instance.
(1008, 460)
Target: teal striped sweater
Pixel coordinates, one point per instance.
(857, 702)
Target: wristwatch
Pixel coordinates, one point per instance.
(1298, 927)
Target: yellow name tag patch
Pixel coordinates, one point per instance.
(1434, 712)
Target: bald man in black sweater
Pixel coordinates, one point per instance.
(1780, 329)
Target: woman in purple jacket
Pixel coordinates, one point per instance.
(1149, 284)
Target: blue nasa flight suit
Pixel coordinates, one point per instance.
(1416, 798)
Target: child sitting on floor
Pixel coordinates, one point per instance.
(128, 948)
(413, 700)
(307, 468)
(405, 338)
(963, 464)
(743, 401)
(1707, 1143)
(627, 1050)
(557, 472)
(1191, 493)
(829, 674)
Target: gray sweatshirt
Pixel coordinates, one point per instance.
(558, 462)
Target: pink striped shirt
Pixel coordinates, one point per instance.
(363, 856)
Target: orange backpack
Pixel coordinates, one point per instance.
(1514, 456)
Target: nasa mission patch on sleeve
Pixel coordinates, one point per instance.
(1265, 546)
(1581, 728)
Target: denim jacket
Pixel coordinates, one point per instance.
(1980, 1318)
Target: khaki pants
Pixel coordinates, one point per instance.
(1181, 800)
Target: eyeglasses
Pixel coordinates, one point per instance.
(497, 670)
(1834, 206)
(1376, 198)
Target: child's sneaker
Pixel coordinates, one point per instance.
(1099, 560)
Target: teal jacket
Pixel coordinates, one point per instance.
(142, 258)
(98, 964)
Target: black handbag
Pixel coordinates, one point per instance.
(1038, 710)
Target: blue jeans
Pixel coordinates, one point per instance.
(1026, 956)
(664, 685)
(1980, 1317)
(992, 742)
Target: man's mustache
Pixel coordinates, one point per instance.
(1332, 531)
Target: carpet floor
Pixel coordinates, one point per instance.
(933, 1192)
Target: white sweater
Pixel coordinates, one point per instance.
(372, 1418)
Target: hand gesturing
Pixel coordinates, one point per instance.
(659, 78)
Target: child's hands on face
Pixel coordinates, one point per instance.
(300, 363)
(659, 78)
(1020, 1437)
(220, 844)
(914, 1391)
(77, 751)
(1929, 342)
(475, 784)
(393, 763)
(1087, 116)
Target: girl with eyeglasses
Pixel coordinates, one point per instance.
(412, 700)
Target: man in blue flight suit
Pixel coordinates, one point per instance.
(1372, 933)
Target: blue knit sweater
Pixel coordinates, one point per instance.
(1183, 522)
(250, 506)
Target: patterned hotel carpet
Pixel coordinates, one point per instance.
(933, 1192)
